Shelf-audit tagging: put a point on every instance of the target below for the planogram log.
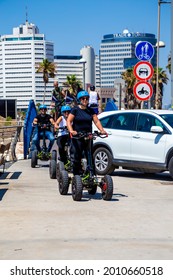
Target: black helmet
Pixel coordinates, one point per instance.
(92, 88)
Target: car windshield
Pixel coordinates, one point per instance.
(168, 118)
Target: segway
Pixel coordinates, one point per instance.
(43, 155)
(88, 180)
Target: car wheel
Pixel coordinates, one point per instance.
(170, 167)
(103, 161)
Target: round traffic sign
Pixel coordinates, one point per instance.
(144, 50)
(143, 70)
(143, 90)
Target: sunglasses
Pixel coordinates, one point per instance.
(84, 98)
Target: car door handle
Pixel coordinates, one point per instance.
(109, 132)
(137, 136)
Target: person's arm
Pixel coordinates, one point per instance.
(63, 93)
(35, 121)
(98, 124)
(69, 124)
(52, 121)
(58, 122)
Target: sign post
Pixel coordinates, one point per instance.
(143, 70)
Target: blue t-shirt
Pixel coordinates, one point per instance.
(83, 119)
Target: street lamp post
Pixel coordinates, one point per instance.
(83, 61)
(157, 60)
(172, 53)
(157, 47)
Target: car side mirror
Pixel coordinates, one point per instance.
(156, 129)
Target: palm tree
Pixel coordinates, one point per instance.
(48, 69)
(169, 64)
(131, 102)
(162, 79)
(73, 84)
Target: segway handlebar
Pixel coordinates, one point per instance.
(88, 135)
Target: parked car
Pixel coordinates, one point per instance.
(140, 140)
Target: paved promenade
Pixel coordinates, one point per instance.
(36, 222)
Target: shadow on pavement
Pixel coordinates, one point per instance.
(134, 174)
(2, 193)
(14, 175)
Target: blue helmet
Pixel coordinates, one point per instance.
(65, 108)
(81, 94)
(42, 107)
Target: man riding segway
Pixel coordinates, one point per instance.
(43, 122)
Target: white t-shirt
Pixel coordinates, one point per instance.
(62, 124)
(93, 97)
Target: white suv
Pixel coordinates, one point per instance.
(140, 140)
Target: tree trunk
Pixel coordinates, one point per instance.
(44, 96)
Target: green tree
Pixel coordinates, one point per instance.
(73, 84)
(169, 64)
(162, 79)
(48, 69)
(131, 102)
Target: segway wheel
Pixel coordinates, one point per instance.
(33, 159)
(52, 169)
(60, 167)
(54, 155)
(63, 182)
(107, 187)
(77, 188)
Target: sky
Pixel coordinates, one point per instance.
(73, 24)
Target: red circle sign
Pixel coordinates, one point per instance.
(143, 90)
(143, 70)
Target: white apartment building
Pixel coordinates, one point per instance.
(97, 71)
(19, 54)
(68, 65)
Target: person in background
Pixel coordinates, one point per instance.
(93, 99)
(63, 133)
(43, 122)
(69, 98)
(58, 98)
(80, 120)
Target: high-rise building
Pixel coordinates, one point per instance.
(19, 54)
(68, 65)
(117, 53)
(82, 66)
(88, 55)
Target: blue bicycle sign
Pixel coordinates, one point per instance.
(144, 50)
